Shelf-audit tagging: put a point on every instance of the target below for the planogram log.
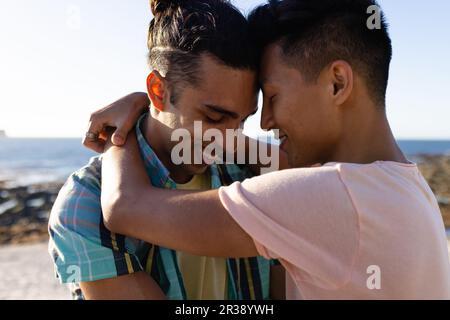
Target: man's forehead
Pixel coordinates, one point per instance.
(222, 101)
(270, 62)
(275, 68)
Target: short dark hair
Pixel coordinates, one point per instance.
(183, 30)
(314, 33)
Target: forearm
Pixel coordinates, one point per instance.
(191, 222)
(115, 162)
(135, 103)
(194, 222)
(136, 286)
(141, 102)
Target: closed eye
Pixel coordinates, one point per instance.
(212, 120)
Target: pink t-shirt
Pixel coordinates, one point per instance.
(347, 231)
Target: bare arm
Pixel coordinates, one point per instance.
(136, 286)
(194, 222)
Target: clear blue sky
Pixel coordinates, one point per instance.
(60, 60)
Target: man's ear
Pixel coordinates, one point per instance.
(341, 81)
(156, 87)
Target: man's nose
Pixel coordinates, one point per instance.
(267, 122)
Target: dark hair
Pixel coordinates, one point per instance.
(314, 33)
(183, 30)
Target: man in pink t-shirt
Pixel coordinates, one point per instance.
(353, 219)
(348, 231)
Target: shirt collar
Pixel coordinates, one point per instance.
(158, 173)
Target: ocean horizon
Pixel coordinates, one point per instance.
(25, 161)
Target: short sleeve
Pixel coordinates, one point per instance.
(303, 217)
(81, 247)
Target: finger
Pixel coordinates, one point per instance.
(90, 140)
(97, 145)
(101, 146)
(104, 134)
(120, 135)
(95, 127)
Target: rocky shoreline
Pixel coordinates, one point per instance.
(436, 170)
(24, 210)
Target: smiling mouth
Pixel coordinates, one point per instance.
(283, 140)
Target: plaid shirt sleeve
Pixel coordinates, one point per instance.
(82, 248)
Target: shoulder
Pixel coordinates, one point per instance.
(79, 198)
(287, 189)
(89, 177)
(300, 179)
(303, 195)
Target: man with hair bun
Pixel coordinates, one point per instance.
(196, 75)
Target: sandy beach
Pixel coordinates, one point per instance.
(26, 273)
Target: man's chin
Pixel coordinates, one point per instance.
(296, 161)
(303, 163)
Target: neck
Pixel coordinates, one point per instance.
(367, 138)
(152, 132)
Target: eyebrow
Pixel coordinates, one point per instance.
(222, 110)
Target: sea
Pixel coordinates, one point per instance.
(26, 161)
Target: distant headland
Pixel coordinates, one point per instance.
(3, 134)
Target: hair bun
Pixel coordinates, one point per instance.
(159, 6)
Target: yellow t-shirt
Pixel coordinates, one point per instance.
(204, 278)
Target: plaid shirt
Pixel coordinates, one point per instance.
(83, 250)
